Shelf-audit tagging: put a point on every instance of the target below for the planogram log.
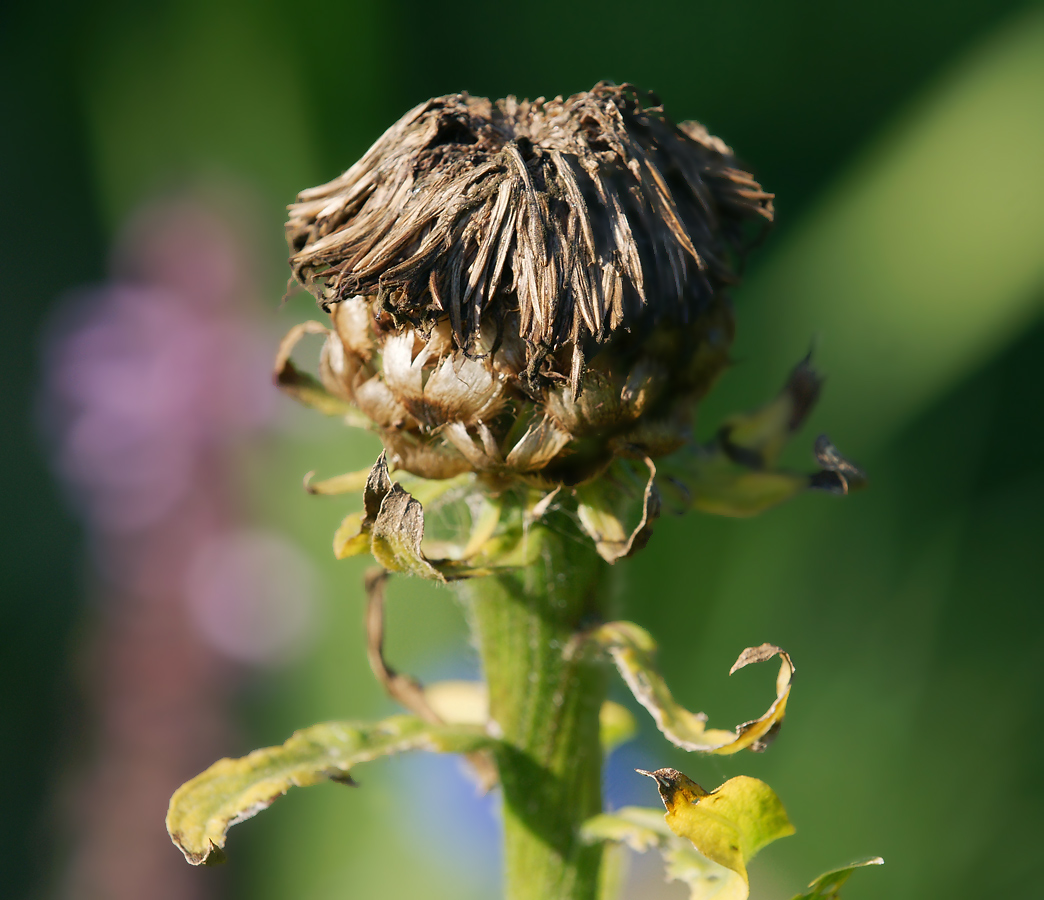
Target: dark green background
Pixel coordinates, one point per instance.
(913, 611)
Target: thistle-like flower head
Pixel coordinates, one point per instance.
(525, 287)
(536, 292)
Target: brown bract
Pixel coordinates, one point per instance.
(538, 283)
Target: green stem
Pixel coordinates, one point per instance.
(545, 702)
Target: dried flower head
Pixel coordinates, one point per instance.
(528, 287)
(536, 293)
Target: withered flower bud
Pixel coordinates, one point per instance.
(528, 288)
(537, 293)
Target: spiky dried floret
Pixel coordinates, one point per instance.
(557, 223)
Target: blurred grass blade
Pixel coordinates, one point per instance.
(926, 259)
(232, 790)
(827, 885)
(632, 650)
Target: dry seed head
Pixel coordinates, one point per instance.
(528, 287)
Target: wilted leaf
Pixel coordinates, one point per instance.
(826, 886)
(305, 388)
(348, 483)
(706, 880)
(232, 790)
(756, 439)
(397, 533)
(642, 829)
(603, 504)
(351, 538)
(391, 525)
(728, 825)
(735, 475)
(639, 827)
(632, 649)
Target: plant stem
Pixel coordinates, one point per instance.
(546, 706)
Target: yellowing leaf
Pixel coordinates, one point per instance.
(603, 503)
(642, 829)
(706, 880)
(348, 483)
(728, 825)
(826, 886)
(756, 439)
(391, 525)
(232, 790)
(397, 533)
(632, 649)
(351, 538)
(463, 702)
(639, 827)
(735, 475)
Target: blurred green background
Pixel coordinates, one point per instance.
(905, 142)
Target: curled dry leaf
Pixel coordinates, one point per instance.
(736, 474)
(348, 483)
(632, 650)
(602, 505)
(728, 825)
(838, 475)
(305, 388)
(233, 790)
(828, 885)
(391, 525)
(406, 689)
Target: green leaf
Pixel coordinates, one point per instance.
(632, 649)
(728, 825)
(232, 790)
(826, 886)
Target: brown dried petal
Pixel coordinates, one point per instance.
(353, 321)
(338, 370)
(375, 399)
(604, 212)
(541, 443)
